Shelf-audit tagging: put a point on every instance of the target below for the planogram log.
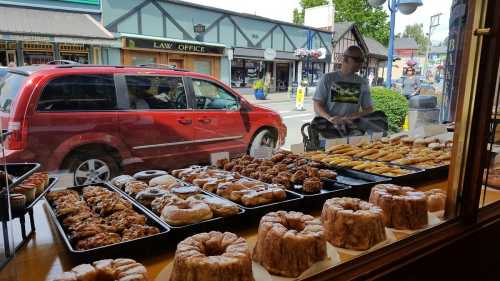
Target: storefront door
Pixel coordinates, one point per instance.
(11, 56)
(282, 76)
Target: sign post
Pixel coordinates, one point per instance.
(299, 98)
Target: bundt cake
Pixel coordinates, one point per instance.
(351, 223)
(288, 243)
(436, 200)
(404, 208)
(212, 256)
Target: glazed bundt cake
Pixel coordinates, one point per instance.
(351, 223)
(288, 243)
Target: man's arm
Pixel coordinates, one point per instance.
(319, 108)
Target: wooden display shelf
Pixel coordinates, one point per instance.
(45, 256)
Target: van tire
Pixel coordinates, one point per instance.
(264, 137)
(91, 168)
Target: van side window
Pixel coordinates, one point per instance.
(89, 92)
(211, 96)
(156, 92)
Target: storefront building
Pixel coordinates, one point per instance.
(236, 48)
(49, 33)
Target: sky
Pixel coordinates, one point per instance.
(283, 9)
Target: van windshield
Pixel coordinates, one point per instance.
(9, 90)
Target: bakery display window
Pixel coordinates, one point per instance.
(175, 176)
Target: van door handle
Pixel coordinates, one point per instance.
(205, 120)
(185, 121)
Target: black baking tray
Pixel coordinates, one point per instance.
(360, 183)
(20, 171)
(217, 223)
(331, 188)
(291, 202)
(143, 245)
(437, 173)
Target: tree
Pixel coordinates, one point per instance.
(298, 16)
(372, 22)
(416, 31)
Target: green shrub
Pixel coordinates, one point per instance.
(393, 104)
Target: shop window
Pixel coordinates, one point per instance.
(211, 96)
(202, 66)
(79, 93)
(156, 92)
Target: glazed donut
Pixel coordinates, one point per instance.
(220, 207)
(185, 212)
(165, 180)
(185, 191)
(134, 187)
(159, 203)
(149, 194)
(149, 174)
(436, 199)
(120, 181)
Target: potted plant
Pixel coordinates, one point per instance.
(259, 90)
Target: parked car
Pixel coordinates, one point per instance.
(97, 121)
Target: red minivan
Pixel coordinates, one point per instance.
(97, 121)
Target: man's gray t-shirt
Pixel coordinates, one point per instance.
(343, 95)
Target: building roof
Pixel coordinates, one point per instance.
(340, 29)
(375, 48)
(25, 21)
(405, 43)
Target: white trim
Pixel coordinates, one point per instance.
(129, 35)
(98, 25)
(186, 142)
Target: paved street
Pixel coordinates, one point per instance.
(292, 118)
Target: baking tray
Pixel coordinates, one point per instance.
(331, 188)
(291, 202)
(143, 245)
(20, 171)
(52, 182)
(437, 173)
(360, 182)
(217, 223)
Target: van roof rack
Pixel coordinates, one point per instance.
(162, 66)
(86, 65)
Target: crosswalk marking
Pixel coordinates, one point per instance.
(284, 111)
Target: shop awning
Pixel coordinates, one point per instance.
(56, 26)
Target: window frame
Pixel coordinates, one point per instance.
(123, 92)
(216, 83)
(48, 81)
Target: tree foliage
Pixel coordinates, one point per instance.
(416, 31)
(298, 15)
(372, 22)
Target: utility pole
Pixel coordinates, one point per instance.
(433, 24)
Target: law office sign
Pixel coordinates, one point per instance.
(166, 45)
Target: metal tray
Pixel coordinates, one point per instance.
(359, 182)
(331, 188)
(216, 223)
(52, 182)
(291, 202)
(141, 245)
(20, 171)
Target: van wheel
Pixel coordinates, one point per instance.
(262, 139)
(92, 168)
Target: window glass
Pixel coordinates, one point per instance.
(156, 92)
(10, 85)
(79, 93)
(212, 96)
(202, 66)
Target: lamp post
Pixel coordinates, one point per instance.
(405, 7)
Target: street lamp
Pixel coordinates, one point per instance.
(405, 7)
